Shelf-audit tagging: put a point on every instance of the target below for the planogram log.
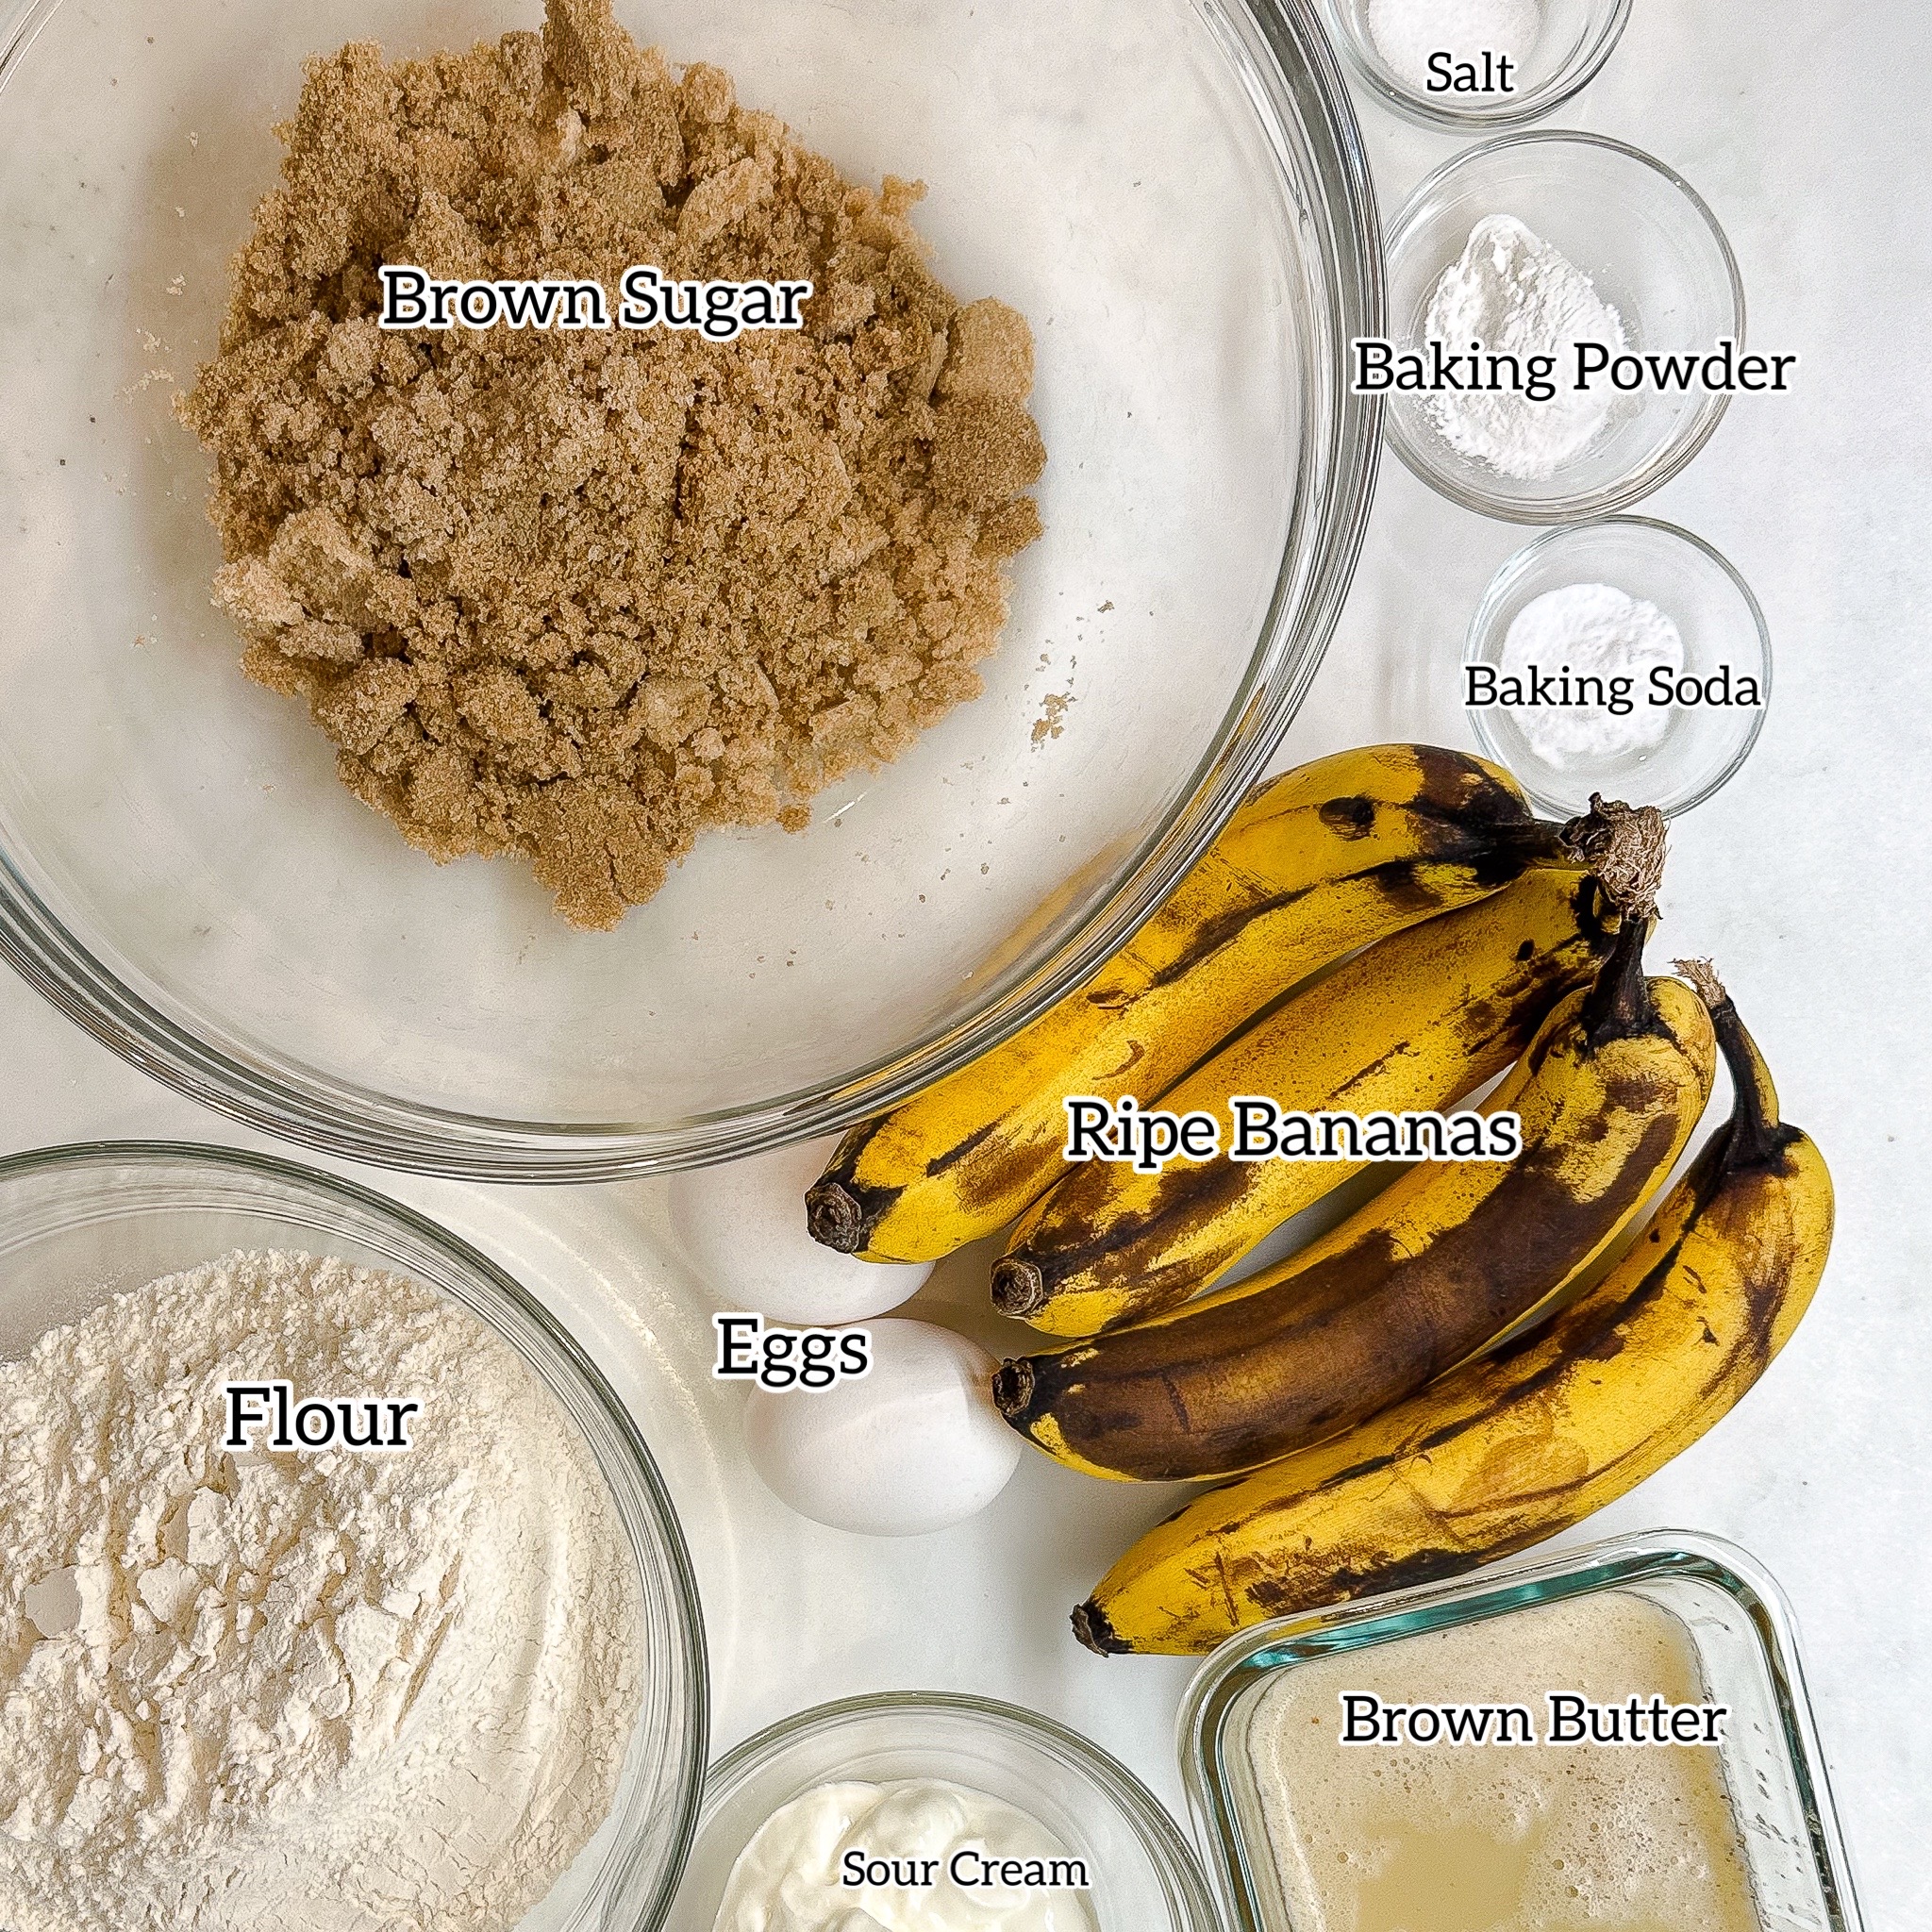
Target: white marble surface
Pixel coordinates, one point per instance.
(1807, 879)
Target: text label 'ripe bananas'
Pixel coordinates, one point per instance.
(1262, 1129)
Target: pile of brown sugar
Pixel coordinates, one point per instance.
(582, 594)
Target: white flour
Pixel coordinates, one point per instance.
(1406, 32)
(1512, 291)
(1593, 630)
(327, 1692)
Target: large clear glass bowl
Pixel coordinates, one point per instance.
(78, 1225)
(1173, 192)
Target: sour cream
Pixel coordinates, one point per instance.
(916, 1856)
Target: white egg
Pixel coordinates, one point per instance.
(743, 1228)
(915, 1445)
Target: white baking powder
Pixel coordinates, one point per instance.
(1512, 291)
(1597, 632)
(328, 1691)
(1406, 32)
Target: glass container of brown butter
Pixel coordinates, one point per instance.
(1618, 1736)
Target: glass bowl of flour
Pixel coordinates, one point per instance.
(1624, 656)
(1558, 307)
(1476, 66)
(426, 1648)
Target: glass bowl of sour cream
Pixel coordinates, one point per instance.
(1624, 656)
(936, 1811)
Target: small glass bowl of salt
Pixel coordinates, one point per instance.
(1624, 656)
(1536, 284)
(1475, 66)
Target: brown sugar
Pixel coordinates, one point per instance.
(581, 594)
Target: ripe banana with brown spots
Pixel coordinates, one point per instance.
(1316, 863)
(1518, 1444)
(1412, 1024)
(1438, 1265)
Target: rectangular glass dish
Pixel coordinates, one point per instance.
(1736, 1625)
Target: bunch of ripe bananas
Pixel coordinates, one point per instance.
(1449, 1374)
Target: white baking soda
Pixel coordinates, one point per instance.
(1606, 643)
(1407, 32)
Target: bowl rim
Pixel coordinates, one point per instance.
(1423, 111)
(1181, 1869)
(1576, 1569)
(1292, 80)
(1483, 623)
(1699, 427)
(678, 1578)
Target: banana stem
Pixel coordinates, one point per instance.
(1018, 1285)
(1536, 841)
(1618, 1006)
(1092, 1627)
(1013, 1388)
(1757, 1136)
(1623, 847)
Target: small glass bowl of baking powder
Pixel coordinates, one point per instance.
(1444, 66)
(1624, 656)
(1143, 1875)
(1542, 246)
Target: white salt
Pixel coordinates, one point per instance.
(1406, 32)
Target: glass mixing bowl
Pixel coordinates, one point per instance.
(1175, 195)
(1145, 1878)
(78, 1225)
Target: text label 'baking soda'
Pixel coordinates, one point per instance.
(1586, 368)
(1262, 1129)
(1572, 1720)
(720, 312)
(779, 1359)
(1486, 689)
(266, 1415)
